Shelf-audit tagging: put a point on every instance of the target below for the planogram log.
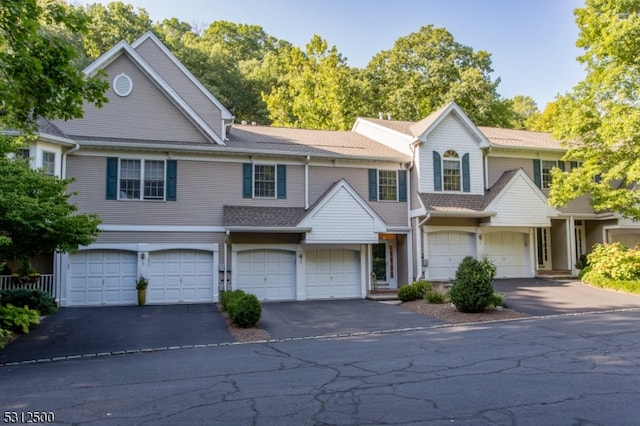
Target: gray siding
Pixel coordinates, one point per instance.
(403, 260)
(321, 178)
(498, 165)
(559, 244)
(187, 90)
(145, 114)
(204, 187)
(161, 238)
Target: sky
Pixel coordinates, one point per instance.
(532, 42)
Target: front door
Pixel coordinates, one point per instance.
(385, 264)
(543, 242)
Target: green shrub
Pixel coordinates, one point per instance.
(436, 297)
(18, 319)
(414, 291)
(472, 290)
(245, 311)
(229, 297)
(4, 337)
(615, 261)
(497, 300)
(35, 299)
(596, 280)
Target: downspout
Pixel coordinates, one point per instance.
(57, 264)
(412, 147)
(420, 244)
(224, 279)
(306, 182)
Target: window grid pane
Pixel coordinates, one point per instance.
(129, 179)
(48, 163)
(387, 185)
(264, 181)
(546, 172)
(451, 175)
(154, 180)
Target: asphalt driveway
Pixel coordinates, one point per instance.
(114, 330)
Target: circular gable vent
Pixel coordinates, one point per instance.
(122, 85)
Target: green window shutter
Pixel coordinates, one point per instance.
(281, 185)
(373, 185)
(172, 180)
(112, 178)
(402, 185)
(537, 173)
(466, 177)
(247, 180)
(437, 172)
(561, 165)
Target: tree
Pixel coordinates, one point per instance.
(600, 119)
(524, 110)
(316, 89)
(37, 76)
(544, 121)
(427, 69)
(35, 215)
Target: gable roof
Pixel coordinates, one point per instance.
(265, 219)
(123, 48)
(512, 138)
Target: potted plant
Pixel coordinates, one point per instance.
(141, 286)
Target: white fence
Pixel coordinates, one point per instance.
(45, 283)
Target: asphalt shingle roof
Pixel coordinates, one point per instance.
(268, 217)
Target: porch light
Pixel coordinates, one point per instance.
(387, 237)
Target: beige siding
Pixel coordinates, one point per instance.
(203, 189)
(321, 178)
(182, 84)
(160, 238)
(498, 165)
(452, 221)
(559, 259)
(145, 114)
(403, 259)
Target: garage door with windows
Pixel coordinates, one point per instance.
(102, 277)
(180, 276)
(268, 274)
(446, 249)
(332, 274)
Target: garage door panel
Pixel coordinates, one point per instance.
(508, 251)
(266, 273)
(333, 274)
(177, 276)
(446, 250)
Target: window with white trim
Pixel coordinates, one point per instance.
(264, 180)
(545, 172)
(387, 185)
(451, 171)
(141, 179)
(49, 163)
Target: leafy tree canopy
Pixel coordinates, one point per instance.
(600, 118)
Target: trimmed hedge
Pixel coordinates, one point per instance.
(244, 309)
(35, 299)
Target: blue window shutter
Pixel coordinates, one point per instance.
(281, 172)
(437, 172)
(172, 180)
(402, 185)
(247, 180)
(466, 177)
(112, 178)
(537, 173)
(373, 185)
(561, 165)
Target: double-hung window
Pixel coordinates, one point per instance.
(49, 163)
(387, 185)
(264, 181)
(138, 179)
(542, 170)
(451, 176)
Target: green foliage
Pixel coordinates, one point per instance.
(615, 262)
(38, 75)
(415, 291)
(5, 335)
(18, 319)
(33, 298)
(472, 290)
(436, 297)
(36, 215)
(600, 118)
(627, 286)
(142, 283)
(496, 300)
(246, 311)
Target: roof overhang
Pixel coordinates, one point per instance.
(458, 213)
(268, 229)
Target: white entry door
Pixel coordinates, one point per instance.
(384, 263)
(333, 274)
(268, 274)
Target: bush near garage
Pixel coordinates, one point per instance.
(613, 266)
(36, 299)
(19, 320)
(472, 290)
(244, 309)
(414, 291)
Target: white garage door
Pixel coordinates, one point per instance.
(102, 277)
(269, 274)
(508, 251)
(445, 252)
(333, 274)
(628, 238)
(177, 276)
